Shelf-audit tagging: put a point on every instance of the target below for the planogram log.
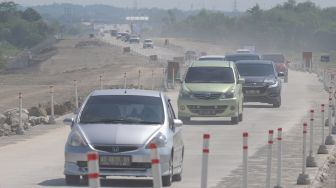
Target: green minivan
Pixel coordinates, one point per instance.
(211, 89)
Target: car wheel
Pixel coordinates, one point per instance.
(167, 179)
(240, 117)
(286, 78)
(72, 179)
(234, 120)
(185, 120)
(277, 103)
(178, 177)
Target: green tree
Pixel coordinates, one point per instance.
(31, 15)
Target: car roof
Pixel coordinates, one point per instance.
(241, 54)
(212, 56)
(254, 62)
(212, 63)
(137, 92)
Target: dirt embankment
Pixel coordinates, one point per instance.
(84, 63)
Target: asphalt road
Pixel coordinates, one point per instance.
(38, 161)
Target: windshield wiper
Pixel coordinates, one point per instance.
(149, 122)
(110, 121)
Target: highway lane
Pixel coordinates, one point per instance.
(38, 162)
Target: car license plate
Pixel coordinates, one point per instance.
(252, 92)
(109, 160)
(207, 112)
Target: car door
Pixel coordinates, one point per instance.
(177, 136)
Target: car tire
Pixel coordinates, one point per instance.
(72, 180)
(235, 120)
(168, 179)
(240, 117)
(178, 177)
(286, 78)
(185, 120)
(277, 103)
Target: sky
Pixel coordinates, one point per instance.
(223, 5)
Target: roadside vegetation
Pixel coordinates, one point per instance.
(289, 25)
(20, 29)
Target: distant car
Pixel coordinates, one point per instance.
(212, 58)
(120, 125)
(211, 89)
(134, 39)
(262, 83)
(148, 43)
(114, 32)
(280, 62)
(241, 56)
(190, 55)
(243, 51)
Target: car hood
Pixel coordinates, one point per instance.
(206, 87)
(118, 134)
(257, 79)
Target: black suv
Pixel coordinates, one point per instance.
(262, 83)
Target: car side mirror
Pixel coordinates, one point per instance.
(281, 74)
(241, 81)
(178, 123)
(179, 80)
(69, 121)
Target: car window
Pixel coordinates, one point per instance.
(209, 75)
(123, 109)
(253, 69)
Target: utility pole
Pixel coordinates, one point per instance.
(235, 6)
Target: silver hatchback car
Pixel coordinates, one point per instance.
(120, 125)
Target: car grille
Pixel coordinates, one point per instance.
(207, 96)
(207, 110)
(115, 149)
(141, 166)
(133, 166)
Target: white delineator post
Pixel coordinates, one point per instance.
(329, 139)
(279, 158)
(303, 178)
(322, 148)
(101, 82)
(245, 155)
(20, 128)
(156, 167)
(93, 169)
(205, 159)
(152, 79)
(310, 158)
(125, 80)
(76, 94)
(139, 79)
(52, 112)
(269, 159)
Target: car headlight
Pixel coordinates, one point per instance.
(227, 95)
(160, 140)
(185, 94)
(271, 82)
(76, 140)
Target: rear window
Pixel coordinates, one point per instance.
(258, 70)
(235, 58)
(123, 109)
(209, 75)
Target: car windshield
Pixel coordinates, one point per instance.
(123, 109)
(209, 75)
(148, 41)
(235, 58)
(253, 69)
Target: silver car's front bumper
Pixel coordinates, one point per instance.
(141, 162)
